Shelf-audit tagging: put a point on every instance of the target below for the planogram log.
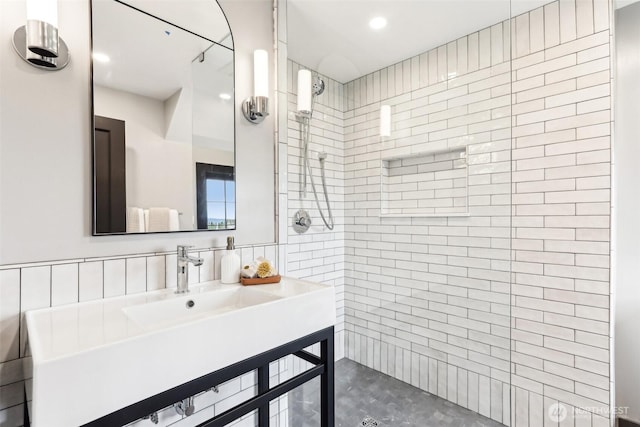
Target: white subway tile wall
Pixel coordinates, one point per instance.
(229, 394)
(431, 301)
(561, 223)
(427, 298)
(318, 255)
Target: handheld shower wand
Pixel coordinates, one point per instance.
(305, 130)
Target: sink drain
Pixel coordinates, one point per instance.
(369, 422)
(190, 303)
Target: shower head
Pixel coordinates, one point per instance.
(318, 86)
(322, 156)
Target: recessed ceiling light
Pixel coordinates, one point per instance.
(101, 57)
(225, 96)
(378, 23)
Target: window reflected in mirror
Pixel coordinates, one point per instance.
(216, 189)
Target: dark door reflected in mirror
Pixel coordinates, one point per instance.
(163, 103)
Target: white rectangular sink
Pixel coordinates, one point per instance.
(107, 354)
(191, 307)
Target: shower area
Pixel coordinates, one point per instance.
(462, 151)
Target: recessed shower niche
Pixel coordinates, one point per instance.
(432, 183)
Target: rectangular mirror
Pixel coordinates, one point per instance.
(164, 122)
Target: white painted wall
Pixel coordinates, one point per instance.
(45, 146)
(627, 206)
(159, 171)
(211, 155)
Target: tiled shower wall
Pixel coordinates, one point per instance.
(427, 298)
(29, 286)
(318, 254)
(561, 224)
(431, 300)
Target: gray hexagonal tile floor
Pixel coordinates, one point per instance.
(368, 398)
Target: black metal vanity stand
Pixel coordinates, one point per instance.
(323, 367)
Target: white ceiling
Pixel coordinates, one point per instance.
(147, 56)
(154, 59)
(623, 3)
(333, 36)
(203, 17)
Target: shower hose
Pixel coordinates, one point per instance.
(306, 134)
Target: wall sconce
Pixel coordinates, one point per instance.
(385, 120)
(37, 42)
(256, 107)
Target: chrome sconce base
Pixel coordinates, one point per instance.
(255, 109)
(40, 46)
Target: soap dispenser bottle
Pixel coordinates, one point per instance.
(230, 264)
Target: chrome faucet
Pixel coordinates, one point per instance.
(183, 268)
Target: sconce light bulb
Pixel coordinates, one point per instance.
(43, 10)
(256, 107)
(261, 73)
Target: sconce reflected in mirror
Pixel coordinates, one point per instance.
(38, 42)
(256, 107)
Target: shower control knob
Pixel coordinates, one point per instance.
(301, 221)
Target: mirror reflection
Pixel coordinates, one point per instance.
(163, 97)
